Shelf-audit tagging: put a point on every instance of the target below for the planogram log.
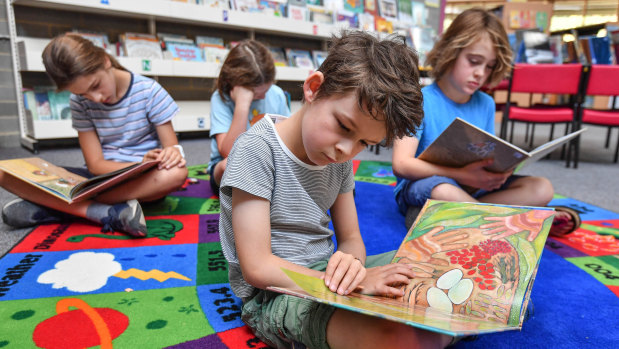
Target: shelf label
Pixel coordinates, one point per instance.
(225, 15)
(315, 29)
(105, 2)
(146, 65)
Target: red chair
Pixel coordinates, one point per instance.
(561, 79)
(601, 80)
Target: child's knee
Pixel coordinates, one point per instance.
(173, 178)
(543, 189)
(447, 192)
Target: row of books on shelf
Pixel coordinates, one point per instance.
(45, 103)
(406, 12)
(533, 46)
(214, 49)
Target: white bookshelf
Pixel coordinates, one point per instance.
(30, 50)
(193, 115)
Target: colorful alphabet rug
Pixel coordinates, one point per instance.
(71, 286)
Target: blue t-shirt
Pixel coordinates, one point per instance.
(222, 111)
(439, 111)
(127, 128)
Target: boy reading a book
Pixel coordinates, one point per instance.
(473, 51)
(285, 182)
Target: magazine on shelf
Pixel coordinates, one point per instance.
(462, 143)
(474, 274)
(65, 185)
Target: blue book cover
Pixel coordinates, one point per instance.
(600, 50)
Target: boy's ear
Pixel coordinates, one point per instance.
(311, 85)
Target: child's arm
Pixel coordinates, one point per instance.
(242, 98)
(252, 235)
(170, 155)
(93, 154)
(345, 270)
(406, 165)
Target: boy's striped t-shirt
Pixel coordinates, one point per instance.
(126, 129)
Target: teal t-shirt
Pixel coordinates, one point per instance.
(222, 111)
(439, 111)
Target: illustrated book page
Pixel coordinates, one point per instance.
(64, 184)
(475, 264)
(462, 143)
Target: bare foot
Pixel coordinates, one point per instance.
(562, 224)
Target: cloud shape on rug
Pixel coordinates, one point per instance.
(81, 272)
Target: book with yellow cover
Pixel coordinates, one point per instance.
(479, 262)
(66, 185)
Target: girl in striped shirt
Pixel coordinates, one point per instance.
(122, 119)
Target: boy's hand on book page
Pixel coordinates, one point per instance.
(531, 221)
(344, 273)
(476, 176)
(387, 280)
(170, 157)
(424, 247)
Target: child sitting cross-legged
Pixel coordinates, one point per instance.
(285, 182)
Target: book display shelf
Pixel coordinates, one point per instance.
(32, 24)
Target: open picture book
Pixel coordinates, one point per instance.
(462, 143)
(65, 185)
(476, 264)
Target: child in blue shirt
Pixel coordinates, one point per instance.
(473, 51)
(245, 90)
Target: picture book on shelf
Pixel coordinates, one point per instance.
(65, 185)
(141, 45)
(299, 58)
(319, 57)
(388, 9)
(215, 54)
(275, 8)
(462, 143)
(475, 265)
(278, 56)
(209, 41)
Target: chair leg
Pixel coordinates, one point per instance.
(552, 132)
(526, 132)
(608, 137)
(617, 149)
(511, 132)
(532, 135)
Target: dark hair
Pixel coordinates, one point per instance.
(248, 64)
(70, 56)
(382, 73)
(465, 30)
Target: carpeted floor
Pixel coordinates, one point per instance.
(70, 286)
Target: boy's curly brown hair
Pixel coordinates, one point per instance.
(464, 31)
(382, 73)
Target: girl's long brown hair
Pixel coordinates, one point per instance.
(249, 64)
(70, 56)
